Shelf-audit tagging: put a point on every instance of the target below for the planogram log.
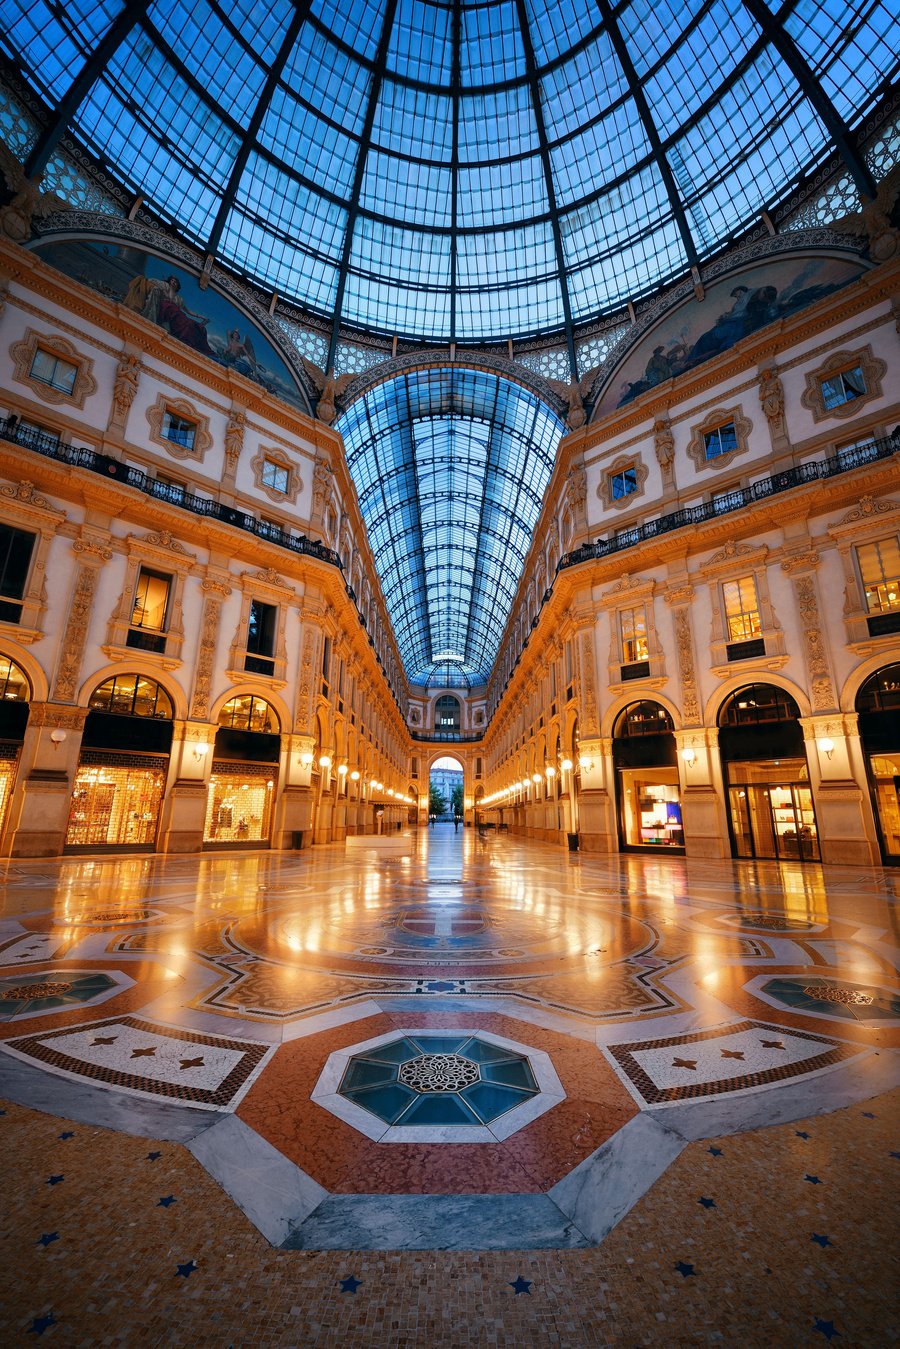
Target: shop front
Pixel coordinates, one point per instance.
(770, 803)
(878, 706)
(647, 786)
(244, 776)
(15, 693)
(122, 769)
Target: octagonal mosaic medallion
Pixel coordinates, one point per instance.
(448, 1087)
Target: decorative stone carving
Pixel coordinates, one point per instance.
(618, 466)
(25, 492)
(814, 645)
(576, 492)
(571, 396)
(278, 457)
(125, 388)
(684, 641)
(664, 445)
(215, 592)
(873, 371)
(181, 408)
(164, 539)
(234, 440)
(801, 562)
(729, 550)
(77, 626)
(24, 352)
(868, 507)
(719, 417)
(329, 389)
(771, 397)
(589, 685)
(28, 201)
(305, 700)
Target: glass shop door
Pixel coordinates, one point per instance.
(773, 821)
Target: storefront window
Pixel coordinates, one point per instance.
(239, 805)
(885, 770)
(772, 810)
(116, 803)
(878, 705)
(651, 808)
(131, 695)
(248, 713)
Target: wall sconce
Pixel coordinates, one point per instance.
(324, 760)
(200, 752)
(536, 778)
(306, 759)
(689, 756)
(550, 771)
(354, 776)
(58, 736)
(342, 769)
(585, 764)
(826, 745)
(566, 765)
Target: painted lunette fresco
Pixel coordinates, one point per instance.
(169, 296)
(733, 308)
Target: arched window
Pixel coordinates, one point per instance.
(756, 704)
(249, 713)
(447, 713)
(14, 685)
(644, 718)
(881, 691)
(132, 695)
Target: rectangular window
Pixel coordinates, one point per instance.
(741, 609)
(49, 369)
(843, 387)
(721, 440)
(276, 476)
(179, 430)
(633, 623)
(326, 658)
(261, 629)
(879, 566)
(16, 548)
(623, 483)
(148, 616)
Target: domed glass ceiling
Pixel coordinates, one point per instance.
(457, 170)
(450, 467)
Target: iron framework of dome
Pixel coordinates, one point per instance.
(450, 467)
(457, 170)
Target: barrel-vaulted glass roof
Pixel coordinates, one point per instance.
(450, 466)
(458, 170)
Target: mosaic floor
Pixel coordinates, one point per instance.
(448, 1044)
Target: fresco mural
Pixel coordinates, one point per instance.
(171, 297)
(733, 308)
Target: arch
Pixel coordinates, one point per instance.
(858, 676)
(254, 710)
(125, 676)
(33, 672)
(893, 701)
(146, 671)
(624, 700)
(732, 705)
(723, 693)
(447, 702)
(276, 703)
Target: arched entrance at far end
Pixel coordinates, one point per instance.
(446, 791)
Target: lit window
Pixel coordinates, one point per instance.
(276, 476)
(151, 601)
(179, 430)
(131, 695)
(721, 440)
(57, 374)
(248, 713)
(879, 565)
(843, 387)
(741, 609)
(623, 482)
(633, 623)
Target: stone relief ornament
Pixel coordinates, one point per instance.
(868, 507)
(76, 632)
(127, 375)
(234, 439)
(684, 641)
(771, 397)
(25, 492)
(816, 660)
(209, 636)
(664, 445)
(27, 203)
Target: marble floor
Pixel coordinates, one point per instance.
(384, 1057)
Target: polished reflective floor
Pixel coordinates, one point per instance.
(306, 1012)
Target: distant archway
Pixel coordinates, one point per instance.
(446, 789)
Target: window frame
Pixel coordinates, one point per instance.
(24, 353)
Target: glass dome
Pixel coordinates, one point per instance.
(457, 170)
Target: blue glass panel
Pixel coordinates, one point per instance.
(360, 1073)
(490, 1101)
(438, 1044)
(515, 1074)
(386, 1102)
(438, 1108)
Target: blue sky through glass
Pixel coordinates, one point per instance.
(400, 142)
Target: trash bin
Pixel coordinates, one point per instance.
(573, 842)
(298, 839)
